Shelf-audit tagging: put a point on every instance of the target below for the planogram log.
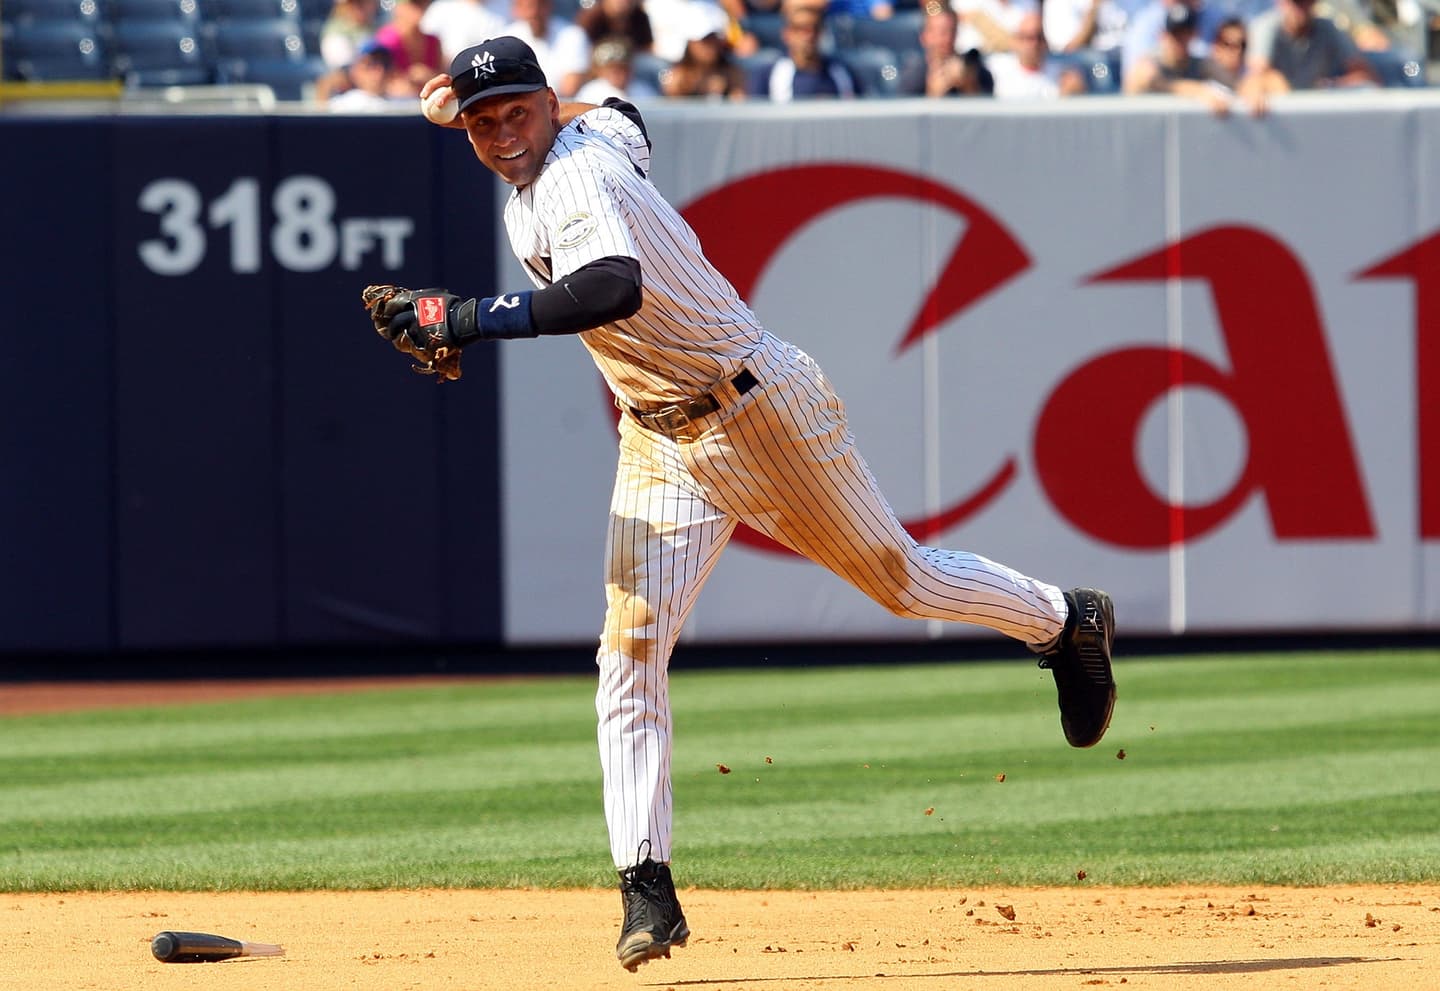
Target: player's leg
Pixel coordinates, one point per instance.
(787, 465)
(662, 544)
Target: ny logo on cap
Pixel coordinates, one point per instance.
(484, 62)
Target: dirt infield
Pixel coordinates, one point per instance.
(1203, 938)
(1260, 939)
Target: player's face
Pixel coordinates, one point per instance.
(512, 134)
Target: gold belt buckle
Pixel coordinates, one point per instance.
(675, 419)
(670, 420)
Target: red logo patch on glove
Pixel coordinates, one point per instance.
(430, 310)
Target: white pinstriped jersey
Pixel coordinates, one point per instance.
(590, 201)
(777, 455)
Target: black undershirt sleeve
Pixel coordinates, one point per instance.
(599, 292)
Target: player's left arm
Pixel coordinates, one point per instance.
(599, 277)
(599, 292)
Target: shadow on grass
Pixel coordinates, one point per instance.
(1196, 967)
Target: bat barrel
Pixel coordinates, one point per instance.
(188, 947)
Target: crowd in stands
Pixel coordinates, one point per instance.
(359, 55)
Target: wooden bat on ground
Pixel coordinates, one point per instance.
(186, 947)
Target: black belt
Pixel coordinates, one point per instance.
(673, 419)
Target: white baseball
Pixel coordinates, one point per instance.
(440, 107)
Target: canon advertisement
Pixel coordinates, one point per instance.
(1194, 361)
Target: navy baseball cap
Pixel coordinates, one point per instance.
(1180, 17)
(494, 68)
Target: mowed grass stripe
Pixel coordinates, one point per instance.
(503, 712)
(277, 737)
(151, 786)
(946, 860)
(1277, 845)
(735, 806)
(223, 787)
(475, 855)
(1182, 677)
(324, 805)
(510, 712)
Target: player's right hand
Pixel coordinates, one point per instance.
(434, 83)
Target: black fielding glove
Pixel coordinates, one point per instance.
(431, 325)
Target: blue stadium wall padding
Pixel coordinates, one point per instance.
(206, 444)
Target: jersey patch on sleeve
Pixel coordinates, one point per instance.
(577, 229)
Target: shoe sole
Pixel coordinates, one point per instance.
(635, 953)
(1094, 662)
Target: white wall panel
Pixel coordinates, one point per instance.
(1301, 201)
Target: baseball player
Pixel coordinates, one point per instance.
(722, 422)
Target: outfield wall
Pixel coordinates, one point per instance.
(204, 443)
(1195, 361)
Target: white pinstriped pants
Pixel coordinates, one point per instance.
(782, 460)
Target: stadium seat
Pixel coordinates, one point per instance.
(1398, 69)
(765, 26)
(124, 12)
(759, 61)
(53, 69)
(899, 32)
(647, 67)
(877, 69)
(44, 51)
(25, 12)
(290, 79)
(274, 39)
(310, 34)
(251, 10)
(159, 53)
(1100, 69)
(315, 10)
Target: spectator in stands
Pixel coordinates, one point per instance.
(1147, 24)
(459, 24)
(1174, 68)
(742, 40)
(941, 70)
(1075, 25)
(1360, 20)
(561, 48)
(415, 54)
(1292, 49)
(372, 83)
(1226, 62)
(612, 74)
(988, 25)
(1029, 73)
(331, 83)
(617, 19)
(667, 24)
(671, 22)
(707, 68)
(349, 25)
(805, 72)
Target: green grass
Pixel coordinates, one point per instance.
(1296, 769)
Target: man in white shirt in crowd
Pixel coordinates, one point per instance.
(1028, 72)
(562, 47)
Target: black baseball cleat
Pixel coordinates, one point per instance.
(653, 920)
(1080, 662)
